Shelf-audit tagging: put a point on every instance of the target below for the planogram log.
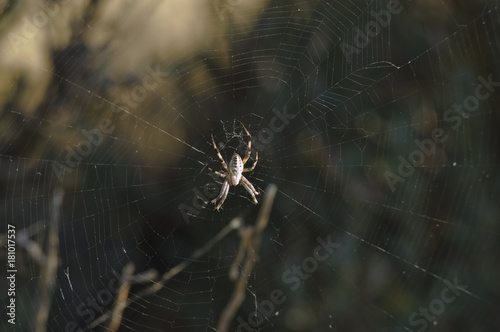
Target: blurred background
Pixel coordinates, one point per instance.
(376, 120)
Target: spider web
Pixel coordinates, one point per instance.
(386, 216)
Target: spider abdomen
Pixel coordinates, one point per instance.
(235, 169)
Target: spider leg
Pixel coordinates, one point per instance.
(245, 180)
(220, 156)
(222, 175)
(224, 187)
(249, 148)
(220, 193)
(223, 194)
(250, 188)
(254, 164)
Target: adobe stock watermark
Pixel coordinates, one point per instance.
(32, 24)
(362, 39)
(222, 6)
(92, 307)
(259, 142)
(293, 277)
(427, 147)
(93, 138)
(266, 135)
(436, 307)
(210, 191)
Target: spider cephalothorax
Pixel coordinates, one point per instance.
(234, 173)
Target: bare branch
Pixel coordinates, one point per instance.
(143, 277)
(234, 224)
(121, 300)
(47, 281)
(251, 238)
(34, 250)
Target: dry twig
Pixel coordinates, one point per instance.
(251, 237)
(47, 281)
(121, 300)
(234, 224)
(33, 248)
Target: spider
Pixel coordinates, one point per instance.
(233, 175)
